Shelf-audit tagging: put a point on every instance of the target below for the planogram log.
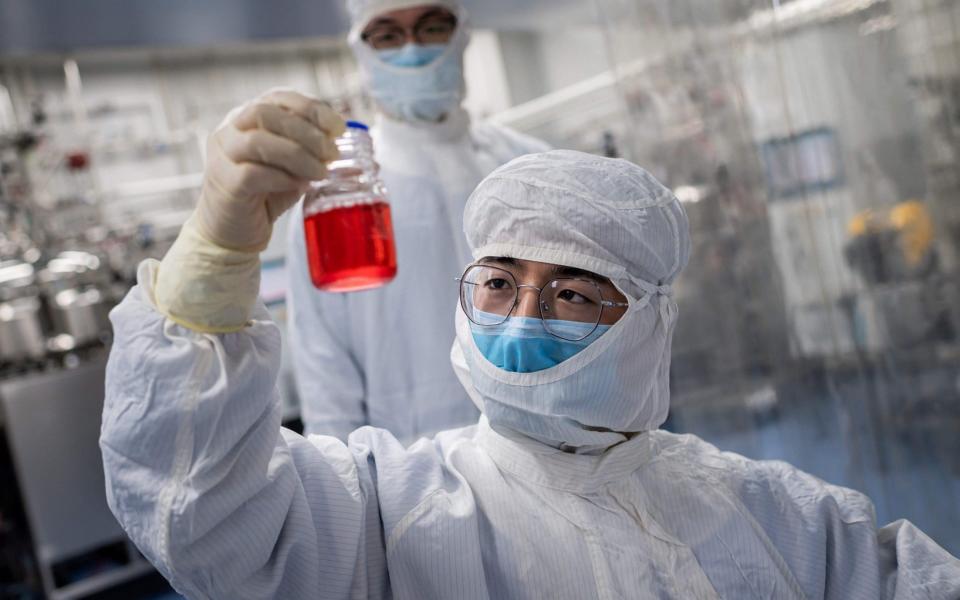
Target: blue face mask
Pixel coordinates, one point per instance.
(522, 345)
(412, 55)
(416, 83)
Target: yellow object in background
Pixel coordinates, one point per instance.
(912, 222)
(864, 222)
(909, 220)
(892, 244)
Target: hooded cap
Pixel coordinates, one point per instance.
(607, 216)
(363, 11)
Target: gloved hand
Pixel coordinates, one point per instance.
(260, 160)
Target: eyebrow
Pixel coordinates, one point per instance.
(575, 272)
(500, 260)
(381, 22)
(438, 12)
(390, 22)
(561, 270)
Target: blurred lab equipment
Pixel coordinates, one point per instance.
(21, 324)
(62, 268)
(62, 308)
(346, 220)
(75, 287)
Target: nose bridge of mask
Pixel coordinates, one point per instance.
(412, 55)
(522, 345)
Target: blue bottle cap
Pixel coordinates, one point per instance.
(357, 125)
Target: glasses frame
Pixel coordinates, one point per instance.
(414, 33)
(604, 303)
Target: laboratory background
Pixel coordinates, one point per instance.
(815, 145)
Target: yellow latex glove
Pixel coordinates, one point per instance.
(259, 162)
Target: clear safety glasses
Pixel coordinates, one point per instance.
(489, 295)
(434, 28)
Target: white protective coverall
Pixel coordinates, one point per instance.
(549, 496)
(375, 357)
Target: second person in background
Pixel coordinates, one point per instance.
(360, 357)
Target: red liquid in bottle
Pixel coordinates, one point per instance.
(351, 248)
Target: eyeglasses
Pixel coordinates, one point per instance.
(433, 29)
(488, 295)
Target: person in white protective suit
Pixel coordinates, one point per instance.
(564, 489)
(373, 358)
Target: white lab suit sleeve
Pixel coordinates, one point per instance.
(828, 536)
(221, 499)
(330, 382)
(914, 566)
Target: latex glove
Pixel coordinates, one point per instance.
(259, 162)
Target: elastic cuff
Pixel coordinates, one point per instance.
(204, 287)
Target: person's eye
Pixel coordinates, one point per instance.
(497, 284)
(573, 297)
(384, 37)
(436, 28)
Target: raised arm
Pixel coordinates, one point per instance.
(220, 499)
(199, 472)
(829, 537)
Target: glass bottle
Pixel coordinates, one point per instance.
(346, 219)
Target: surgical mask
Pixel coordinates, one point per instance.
(522, 345)
(412, 55)
(415, 83)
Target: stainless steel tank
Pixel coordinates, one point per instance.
(73, 284)
(21, 325)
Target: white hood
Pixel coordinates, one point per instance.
(607, 216)
(363, 11)
(401, 91)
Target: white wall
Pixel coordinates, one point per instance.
(540, 62)
(487, 85)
